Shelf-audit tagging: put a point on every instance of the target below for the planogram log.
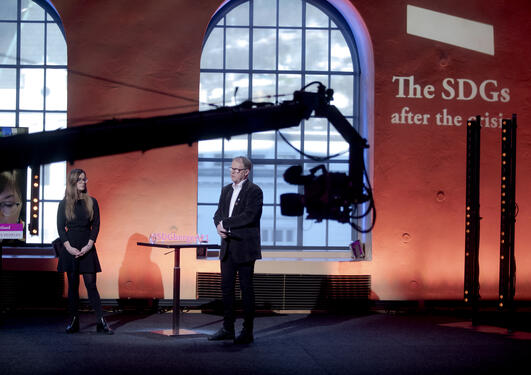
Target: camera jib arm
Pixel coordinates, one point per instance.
(118, 136)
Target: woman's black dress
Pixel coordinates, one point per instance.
(78, 232)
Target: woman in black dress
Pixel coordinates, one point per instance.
(78, 224)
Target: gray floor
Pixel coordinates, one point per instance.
(33, 342)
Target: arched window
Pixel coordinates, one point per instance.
(33, 89)
(263, 50)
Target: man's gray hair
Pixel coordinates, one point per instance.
(245, 161)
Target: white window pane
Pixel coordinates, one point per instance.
(317, 50)
(338, 167)
(212, 56)
(323, 79)
(236, 146)
(32, 121)
(210, 90)
(236, 88)
(287, 84)
(55, 121)
(339, 234)
(264, 13)
(55, 45)
(237, 48)
(315, 136)
(205, 222)
(31, 11)
(341, 59)
(338, 144)
(53, 180)
(264, 49)
(286, 234)
(293, 136)
(7, 118)
(208, 181)
(314, 17)
(290, 13)
(289, 49)
(343, 87)
(32, 43)
(313, 233)
(8, 85)
(226, 174)
(8, 42)
(31, 88)
(264, 87)
(56, 89)
(49, 220)
(239, 16)
(264, 176)
(263, 144)
(266, 226)
(210, 148)
(8, 10)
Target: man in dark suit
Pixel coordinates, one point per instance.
(237, 221)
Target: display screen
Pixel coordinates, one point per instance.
(12, 198)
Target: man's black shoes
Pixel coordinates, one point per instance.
(244, 338)
(222, 334)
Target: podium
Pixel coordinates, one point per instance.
(177, 246)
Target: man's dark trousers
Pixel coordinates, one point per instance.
(245, 271)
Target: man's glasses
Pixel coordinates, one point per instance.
(9, 208)
(237, 170)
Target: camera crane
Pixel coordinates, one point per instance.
(328, 196)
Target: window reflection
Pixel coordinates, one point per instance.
(236, 88)
(264, 49)
(317, 50)
(290, 13)
(264, 13)
(315, 18)
(237, 48)
(8, 45)
(32, 43)
(212, 57)
(289, 49)
(239, 16)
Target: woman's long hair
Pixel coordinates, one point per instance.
(72, 195)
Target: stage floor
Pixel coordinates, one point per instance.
(34, 342)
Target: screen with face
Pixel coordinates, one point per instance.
(12, 198)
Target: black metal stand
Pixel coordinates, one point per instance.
(508, 219)
(472, 219)
(176, 329)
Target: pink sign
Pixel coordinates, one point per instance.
(11, 231)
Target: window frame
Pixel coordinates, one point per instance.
(343, 26)
(47, 208)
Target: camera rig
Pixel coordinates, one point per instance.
(327, 196)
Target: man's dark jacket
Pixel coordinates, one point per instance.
(243, 241)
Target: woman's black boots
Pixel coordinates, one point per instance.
(73, 327)
(103, 327)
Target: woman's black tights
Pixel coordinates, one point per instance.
(73, 293)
